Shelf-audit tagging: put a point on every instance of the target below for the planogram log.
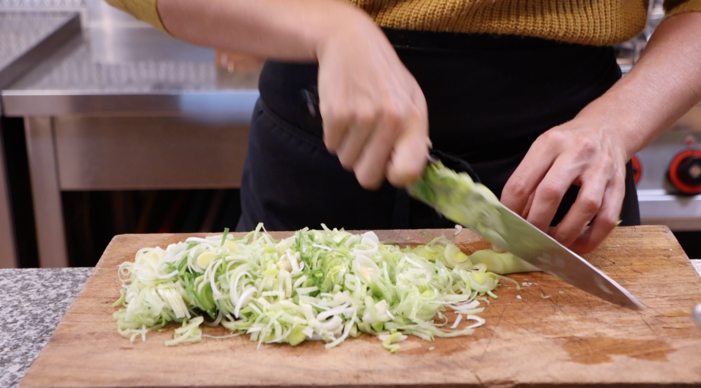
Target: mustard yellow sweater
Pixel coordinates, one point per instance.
(592, 22)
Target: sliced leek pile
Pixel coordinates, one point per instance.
(316, 285)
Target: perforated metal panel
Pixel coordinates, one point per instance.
(48, 4)
(21, 31)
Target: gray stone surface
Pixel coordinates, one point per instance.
(32, 303)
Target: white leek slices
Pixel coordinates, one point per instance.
(316, 285)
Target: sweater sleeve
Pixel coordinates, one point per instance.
(141, 9)
(675, 7)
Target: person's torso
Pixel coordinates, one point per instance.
(488, 96)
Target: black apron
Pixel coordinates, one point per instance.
(489, 97)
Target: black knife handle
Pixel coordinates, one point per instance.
(455, 163)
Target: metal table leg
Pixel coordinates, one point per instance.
(8, 251)
(51, 235)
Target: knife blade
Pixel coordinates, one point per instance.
(473, 205)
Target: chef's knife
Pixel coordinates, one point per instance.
(472, 205)
(478, 209)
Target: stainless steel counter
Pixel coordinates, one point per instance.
(20, 31)
(135, 71)
(24, 39)
(123, 106)
(27, 37)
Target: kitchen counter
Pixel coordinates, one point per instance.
(27, 37)
(132, 70)
(32, 303)
(20, 32)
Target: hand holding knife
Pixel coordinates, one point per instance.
(460, 199)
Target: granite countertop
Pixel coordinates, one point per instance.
(32, 303)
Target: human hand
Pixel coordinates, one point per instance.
(587, 151)
(374, 112)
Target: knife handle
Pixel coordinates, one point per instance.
(454, 163)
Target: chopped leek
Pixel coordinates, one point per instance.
(388, 342)
(316, 285)
(501, 262)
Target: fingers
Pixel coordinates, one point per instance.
(373, 145)
(552, 188)
(527, 175)
(409, 157)
(585, 207)
(376, 128)
(336, 122)
(577, 153)
(379, 138)
(371, 166)
(605, 220)
(350, 147)
(527, 210)
(396, 148)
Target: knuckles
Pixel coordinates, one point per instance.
(393, 118)
(388, 115)
(551, 191)
(608, 222)
(585, 146)
(553, 139)
(590, 204)
(562, 237)
(516, 187)
(366, 117)
(367, 180)
(559, 139)
(335, 113)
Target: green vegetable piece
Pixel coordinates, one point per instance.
(460, 199)
(389, 344)
(378, 326)
(296, 336)
(501, 262)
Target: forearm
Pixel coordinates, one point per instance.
(661, 87)
(279, 29)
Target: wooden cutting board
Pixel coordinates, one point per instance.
(569, 339)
